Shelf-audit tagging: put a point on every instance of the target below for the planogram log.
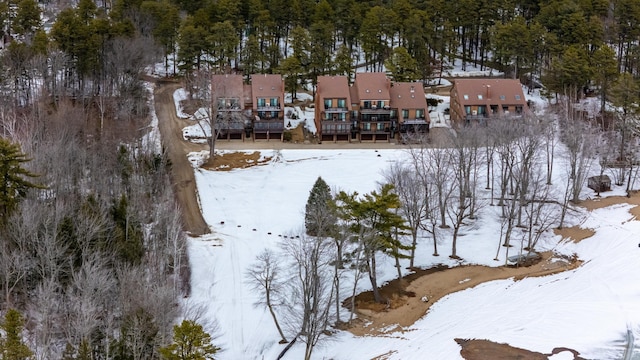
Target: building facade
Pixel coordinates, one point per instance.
(476, 100)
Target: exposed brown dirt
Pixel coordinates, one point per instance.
(602, 202)
(405, 306)
(182, 175)
(574, 233)
(485, 349)
(235, 160)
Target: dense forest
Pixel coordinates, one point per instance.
(91, 243)
(99, 48)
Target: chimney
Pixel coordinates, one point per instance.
(488, 91)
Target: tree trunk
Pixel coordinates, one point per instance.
(373, 278)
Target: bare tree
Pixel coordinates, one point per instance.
(411, 190)
(311, 288)
(265, 277)
(464, 160)
(578, 137)
(433, 165)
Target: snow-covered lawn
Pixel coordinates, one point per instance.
(588, 309)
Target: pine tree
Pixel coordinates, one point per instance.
(319, 216)
(13, 185)
(11, 346)
(190, 342)
(401, 66)
(376, 225)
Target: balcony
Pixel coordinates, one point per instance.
(332, 128)
(377, 117)
(266, 107)
(263, 126)
(376, 128)
(376, 110)
(336, 110)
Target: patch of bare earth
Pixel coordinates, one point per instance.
(485, 349)
(574, 233)
(403, 301)
(235, 160)
(602, 202)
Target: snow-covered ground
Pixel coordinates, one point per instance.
(588, 309)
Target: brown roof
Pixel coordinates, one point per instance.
(488, 91)
(333, 87)
(372, 86)
(267, 85)
(407, 95)
(227, 86)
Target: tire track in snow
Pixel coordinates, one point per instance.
(237, 333)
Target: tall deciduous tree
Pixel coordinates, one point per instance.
(412, 193)
(311, 287)
(265, 276)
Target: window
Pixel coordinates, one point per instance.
(419, 113)
(367, 104)
(505, 109)
(366, 126)
(502, 97)
(328, 116)
(405, 113)
(517, 97)
(518, 109)
(494, 109)
(327, 103)
(342, 116)
(380, 104)
(380, 126)
(482, 110)
(393, 114)
(261, 102)
(274, 102)
(342, 103)
(465, 96)
(467, 110)
(479, 96)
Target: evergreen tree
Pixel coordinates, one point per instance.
(11, 346)
(13, 182)
(290, 68)
(319, 216)
(127, 233)
(605, 69)
(401, 66)
(190, 342)
(376, 225)
(27, 19)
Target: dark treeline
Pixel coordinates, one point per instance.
(98, 48)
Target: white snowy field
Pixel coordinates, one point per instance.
(588, 309)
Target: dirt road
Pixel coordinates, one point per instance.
(182, 176)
